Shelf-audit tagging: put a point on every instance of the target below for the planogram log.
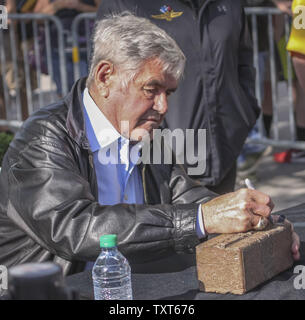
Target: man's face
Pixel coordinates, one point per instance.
(143, 104)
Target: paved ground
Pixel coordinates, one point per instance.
(285, 183)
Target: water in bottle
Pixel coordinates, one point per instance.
(111, 272)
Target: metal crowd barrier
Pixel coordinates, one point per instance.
(85, 18)
(276, 141)
(24, 73)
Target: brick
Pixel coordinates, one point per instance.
(239, 262)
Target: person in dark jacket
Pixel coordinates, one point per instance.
(217, 92)
(59, 195)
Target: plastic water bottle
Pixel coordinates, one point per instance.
(111, 272)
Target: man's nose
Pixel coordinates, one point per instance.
(160, 104)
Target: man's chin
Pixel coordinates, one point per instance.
(142, 133)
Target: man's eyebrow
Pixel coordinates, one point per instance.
(172, 89)
(154, 83)
(159, 84)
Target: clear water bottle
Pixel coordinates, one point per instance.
(111, 272)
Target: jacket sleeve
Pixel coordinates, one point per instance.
(246, 70)
(187, 190)
(52, 202)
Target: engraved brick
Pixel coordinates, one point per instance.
(239, 262)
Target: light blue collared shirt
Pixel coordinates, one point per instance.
(118, 178)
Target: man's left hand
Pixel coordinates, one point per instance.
(295, 238)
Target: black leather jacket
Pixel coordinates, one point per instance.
(49, 209)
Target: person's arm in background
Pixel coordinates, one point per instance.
(11, 6)
(83, 7)
(44, 6)
(284, 6)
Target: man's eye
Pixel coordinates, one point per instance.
(150, 92)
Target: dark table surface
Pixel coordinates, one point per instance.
(176, 278)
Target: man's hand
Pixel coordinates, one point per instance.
(241, 211)
(295, 247)
(238, 211)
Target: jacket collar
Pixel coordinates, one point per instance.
(75, 122)
(103, 132)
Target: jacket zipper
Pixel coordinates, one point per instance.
(144, 184)
(91, 160)
(92, 176)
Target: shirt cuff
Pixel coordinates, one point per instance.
(199, 225)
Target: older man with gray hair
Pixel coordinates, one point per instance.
(59, 196)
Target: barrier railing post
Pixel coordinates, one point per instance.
(27, 69)
(88, 40)
(273, 77)
(290, 83)
(2, 70)
(258, 90)
(37, 60)
(76, 50)
(48, 48)
(15, 69)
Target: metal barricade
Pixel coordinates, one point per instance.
(80, 48)
(83, 52)
(28, 64)
(275, 141)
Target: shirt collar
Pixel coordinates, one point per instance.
(101, 133)
(104, 131)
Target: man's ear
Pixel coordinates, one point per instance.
(103, 72)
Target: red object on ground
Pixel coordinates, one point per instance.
(282, 157)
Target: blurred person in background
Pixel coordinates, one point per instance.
(19, 83)
(253, 154)
(66, 11)
(296, 47)
(296, 44)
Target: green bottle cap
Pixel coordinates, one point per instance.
(108, 240)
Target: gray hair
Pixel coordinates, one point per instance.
(128, 41)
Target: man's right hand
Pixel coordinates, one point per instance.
(238, 211)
